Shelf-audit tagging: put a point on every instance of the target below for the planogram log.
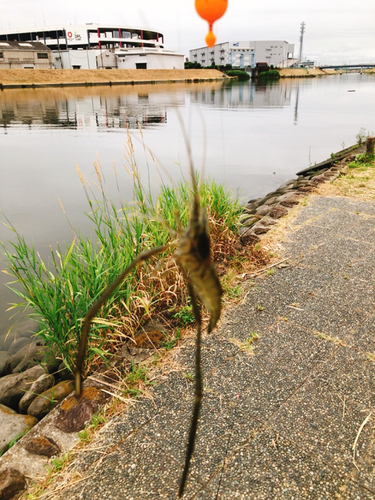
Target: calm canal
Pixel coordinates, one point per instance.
(250, 137)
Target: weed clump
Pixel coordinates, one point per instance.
(59, 292)
(239, 74)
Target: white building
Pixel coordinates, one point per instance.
(78, 46)
(25, 55)
(149, 59)
(245, 54)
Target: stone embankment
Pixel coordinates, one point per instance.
(261, 214)
(33, 382)
(20, 78)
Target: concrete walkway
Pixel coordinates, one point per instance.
(291, 420)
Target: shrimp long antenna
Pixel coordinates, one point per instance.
(198, 390)
(195, 208)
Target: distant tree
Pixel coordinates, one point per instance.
(192, 65)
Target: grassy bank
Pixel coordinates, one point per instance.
(69, 77)
(303, 72)
(357, 180)
(58, 293)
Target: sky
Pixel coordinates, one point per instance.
(336, 32)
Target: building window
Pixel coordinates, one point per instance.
(1, 55)
(42, 55)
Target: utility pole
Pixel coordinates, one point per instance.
(303, 24)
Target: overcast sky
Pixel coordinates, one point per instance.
(337, 31)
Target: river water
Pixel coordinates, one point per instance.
(250, 137)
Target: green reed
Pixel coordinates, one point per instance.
(57, 292)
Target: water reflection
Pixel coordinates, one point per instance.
(90, 112)
(103, 109)
(245, 95)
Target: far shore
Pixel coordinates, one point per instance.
(304, 72)
(41, 78)
(26, 78)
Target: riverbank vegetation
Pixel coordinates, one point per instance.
(358, 178)
(239, 74)
(58, 292)
(271, 74)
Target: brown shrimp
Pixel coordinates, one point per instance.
(193, 256)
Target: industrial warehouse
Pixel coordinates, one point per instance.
(91, 46)
(246, 54)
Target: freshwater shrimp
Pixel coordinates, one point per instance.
(193, 255)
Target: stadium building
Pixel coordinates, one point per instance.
(78, 46)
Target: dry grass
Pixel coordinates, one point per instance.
(355, 183)
(82, 76)
(301, 72)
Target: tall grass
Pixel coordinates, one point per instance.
(58, 292)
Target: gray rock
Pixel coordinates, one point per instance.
(46, 401)
(278, 211)
(254, 200)
(286, 185)
(246, 235)
(267, 221)
(24, 327)
(251, 221)
(306, 189)
(4, 356)
(18, 343)
(245, 216)
(75, 413)
(62, 372)
(270, 201)
(26, 352)
(251, 207)
(301, 182)
(32, 355)
(281, 191)
(289, 199)
(41, 445)
(260, 229)
(318, 178)
(263, 210)
(13, 425)
(11, 483)
(13, 387)
(40, 385)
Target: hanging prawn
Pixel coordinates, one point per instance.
(193, 256)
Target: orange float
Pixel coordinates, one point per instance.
(211, 11)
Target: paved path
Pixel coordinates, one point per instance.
(279, 423)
